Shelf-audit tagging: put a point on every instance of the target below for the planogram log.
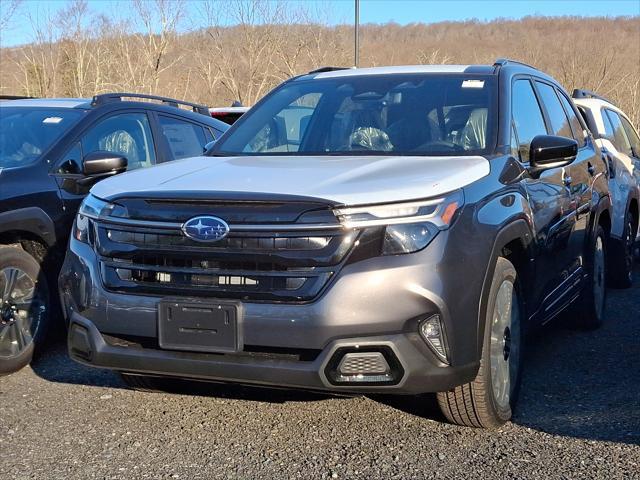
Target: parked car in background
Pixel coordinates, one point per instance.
(51, 152)
(4, 98)
(402, 238)
(228, 115)
(620, 146)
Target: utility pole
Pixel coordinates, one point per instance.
(356, 39)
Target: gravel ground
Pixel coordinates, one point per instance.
(578, 417)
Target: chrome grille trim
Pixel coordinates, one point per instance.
(275, 263)
(286, 227)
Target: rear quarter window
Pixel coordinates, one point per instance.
(185, 139)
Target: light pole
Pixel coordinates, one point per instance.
(356, 39)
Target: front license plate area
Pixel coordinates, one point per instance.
(199, 326)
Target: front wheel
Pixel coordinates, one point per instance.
(24, 308)
(488, 401)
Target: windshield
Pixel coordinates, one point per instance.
(408, 114)
(25, 133)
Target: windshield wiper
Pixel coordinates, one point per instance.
(219, 154)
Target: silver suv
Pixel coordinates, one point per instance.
(391, 230)
(620, 146)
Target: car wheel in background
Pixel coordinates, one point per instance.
(24, 308)
(588, 310)
(621, 275)
(488, 401)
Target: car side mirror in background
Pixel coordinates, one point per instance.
(209, 145)
(101, 164)
(549, 151)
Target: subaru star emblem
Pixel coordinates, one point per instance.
(205, 228)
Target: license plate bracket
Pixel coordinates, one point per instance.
(212, 327)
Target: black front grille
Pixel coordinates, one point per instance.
(280, 265)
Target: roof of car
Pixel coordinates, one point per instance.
(49, 103)
(597, 103)
(400, 69)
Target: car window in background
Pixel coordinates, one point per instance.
(620, 139)
(527, 116)
(576, 126)
(588, 119)
(403, 114)
(559, 121)
(185, 139)
(284, 131)
(25, 133)
(608, 128)
(127, 134)
(632, 135)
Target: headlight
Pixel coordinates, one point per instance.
(409, 226)
(90, 209)
(407, 238)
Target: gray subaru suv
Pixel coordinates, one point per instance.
(387, 230)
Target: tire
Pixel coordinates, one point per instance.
(144, 383)
(589, 308)
(487, 402)
(622, 259)
(24, 308)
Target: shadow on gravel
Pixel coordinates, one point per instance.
(587, 384)
(577, 384)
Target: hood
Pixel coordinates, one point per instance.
(345, 180)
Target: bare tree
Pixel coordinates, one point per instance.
(249, 46)
(78, 51)
(8, 9)
(160, 19)
(39, 62)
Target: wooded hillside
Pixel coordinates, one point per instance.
(77, 53)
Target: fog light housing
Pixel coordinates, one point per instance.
(432, 333)
(375, 365)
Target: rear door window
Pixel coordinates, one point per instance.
(576, 126)
(620, 139)
(528, 121)
(557, 116)
(632, 135)
(185, 139)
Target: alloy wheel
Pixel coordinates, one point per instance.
(505, 343)
(21, 311)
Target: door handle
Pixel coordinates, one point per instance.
(591, 169)
(567, 180)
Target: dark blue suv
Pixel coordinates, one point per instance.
(51, 152)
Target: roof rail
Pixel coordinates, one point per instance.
(581, 93)
(14, 97)
(501, 62)
(104, 98)
(328, 69)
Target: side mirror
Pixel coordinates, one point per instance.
(100, 164)
(549, 151)
(208, 146)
